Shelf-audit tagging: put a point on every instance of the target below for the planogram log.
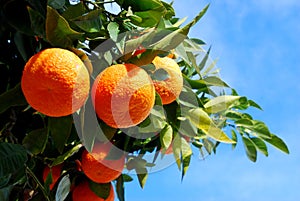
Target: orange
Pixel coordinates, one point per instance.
(99, 169)
(82, 192)
(55, 82)
(170, 88)
(55, 173)
(123, 95)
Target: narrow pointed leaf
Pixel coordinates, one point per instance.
(278, 143)
(220, 103)
(36, 141)
(176, 146)
(250, 149)
(166, 136)
(13, 97)
(260, 145)
(120, 188)
(202, 121)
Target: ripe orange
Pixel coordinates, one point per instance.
(170, 88)
(55, 82)
(55, 171)
(123, 95)
(82, 192)
(99, 169)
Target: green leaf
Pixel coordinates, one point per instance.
(61, 158)
(89, 22)
(127, 178)
(120, 188)
(186, 153)
(208, 145)
(12, 97)
(144, 5)
(150, 18)
(37, 22)
(5, 193)
(254, 104)
(214, 81)
(63, 188)
(57, 4)
(220, 103)
(113, 30)
(250, 149)
(12, 158)
(74, 11)
(58, 31)
(102, 190)
(174, 38)
(60, 130)
(176, 146)
(142, 175)
(35, 141)
(202, 121)
(278, 143)
(160, 75)
(231, 114)
(203, 62)
(260, 145)
(234, 138)
(166, 136)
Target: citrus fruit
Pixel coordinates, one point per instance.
(55, 82)
(123, 95)
(170, 88)
(55, 173)
(82, 192)
(100, 169)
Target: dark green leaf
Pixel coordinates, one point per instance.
(37, 22)
(57, 4)
(231, 114)
(234, 138)
(127, 178)
(12, 158)
(250, 149)
(74, 11)
(150, 18)
(278, 143)
(58, 31)
(120, 188)
(254, 104)
(35, 141)
(61, 158)
(260, 145)
(60, 130)
(101, 190)
(5, 192)
(63, 188)
(13, 97)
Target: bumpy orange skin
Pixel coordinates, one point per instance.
(170, 88)
(82, 192)
(99, 169)
(55, 171)
(123, 95)
(55, 82)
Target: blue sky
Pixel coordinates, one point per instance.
(258, 46)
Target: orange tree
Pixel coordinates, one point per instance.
(196, 112)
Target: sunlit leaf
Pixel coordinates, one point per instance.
(166, 136)
(220, 103)
(202, 121)
(58, 30)
(61, 158)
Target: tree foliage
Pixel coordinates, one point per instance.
(208, 112)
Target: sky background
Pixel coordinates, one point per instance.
(258, 47)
